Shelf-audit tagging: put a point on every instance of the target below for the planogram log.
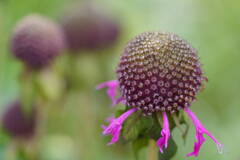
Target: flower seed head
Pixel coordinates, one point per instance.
(37, 41)
(159, 72)
(89, 28)
(17, 123)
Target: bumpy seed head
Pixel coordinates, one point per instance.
(159, 72)
(37, 41)
(17, 123)
(89, 28)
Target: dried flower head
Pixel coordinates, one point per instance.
(158, 73)
(36, 41)
(89, 28)
(17, 123)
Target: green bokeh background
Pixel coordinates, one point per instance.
(212, 27)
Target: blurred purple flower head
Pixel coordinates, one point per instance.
(36, 41)
(89, 28)
(18, 123)
(160, 73)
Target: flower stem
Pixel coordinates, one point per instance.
(152, 150)
(177, 122)
(159, 119)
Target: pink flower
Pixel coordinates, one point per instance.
(115, 126)
(163, 141)
(111, 91)
(200, 131)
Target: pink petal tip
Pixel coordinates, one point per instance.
(200, 131)
(111, 91)
(163, 141)
(115, 126)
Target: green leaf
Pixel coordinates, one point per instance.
(119, 112)
(130, 129)
(169, 152)
(152, 131)
(137, 145)
(135, 126)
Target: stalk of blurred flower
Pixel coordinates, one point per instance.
(90, 34)
(36, 42)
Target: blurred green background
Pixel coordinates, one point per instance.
(212, 27)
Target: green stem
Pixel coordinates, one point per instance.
(177, 122)
(152, 150)
(28, 90)
(159, 119)
(72, 71)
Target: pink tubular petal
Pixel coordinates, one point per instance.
(200, 131)
(112, 89)
(163, 141)
(110, 119)
(115, 126)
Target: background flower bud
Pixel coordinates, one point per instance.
(89, 28)
(18, 123)
(36, 41)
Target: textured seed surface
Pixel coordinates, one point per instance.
(159, 72)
